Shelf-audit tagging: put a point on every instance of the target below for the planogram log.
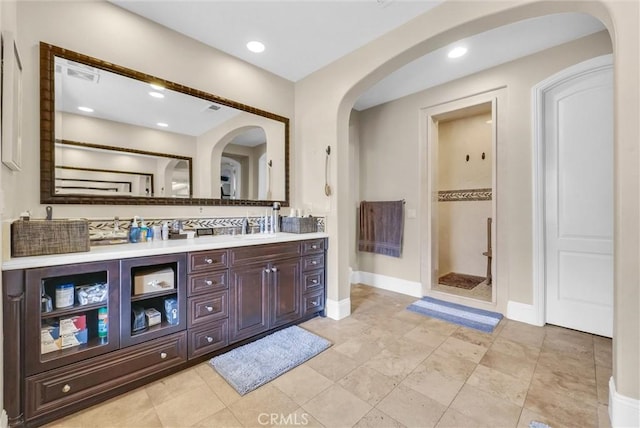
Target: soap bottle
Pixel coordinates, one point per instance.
(165, 231)
(134, 231)
(143, 231)
(150, 234)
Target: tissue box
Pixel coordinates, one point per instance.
(153, 316)
(73, 324)
(42, 237)
(299, 224)
(150, 281)
(69, 340)
(49, 339)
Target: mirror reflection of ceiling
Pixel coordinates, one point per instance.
(130, 101)
(228, 25)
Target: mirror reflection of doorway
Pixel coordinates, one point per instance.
(230, 178)
(464, 182)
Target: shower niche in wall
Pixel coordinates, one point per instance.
(462, 147)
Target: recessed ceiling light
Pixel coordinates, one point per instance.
(157, 87)
(255, 46)
(457, 52)
(85, 109)
(156, 94)
(162, 124)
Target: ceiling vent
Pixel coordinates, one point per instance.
(82, 72)
(213, 107)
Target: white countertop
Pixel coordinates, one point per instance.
(141, 249)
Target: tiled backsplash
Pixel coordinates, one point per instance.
(220, 225)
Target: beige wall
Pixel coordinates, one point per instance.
(390, 140)
(104, 31)
(324, 101)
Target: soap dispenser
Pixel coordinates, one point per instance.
(134, 231)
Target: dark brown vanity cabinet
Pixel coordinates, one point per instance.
(222, 297)
(265, 288)
(208, 301)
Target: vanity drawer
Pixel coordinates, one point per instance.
(313, 262)
(313, 302)
(313, 246)
(207, 282)
(208, 307)
(208, 338)
(313, 280)
(263, 253)
(66, 386)
(205, 260)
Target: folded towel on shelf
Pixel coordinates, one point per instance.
(381, 227)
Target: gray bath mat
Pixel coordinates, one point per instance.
(254, 364)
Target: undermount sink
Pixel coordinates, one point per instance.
(253, 236)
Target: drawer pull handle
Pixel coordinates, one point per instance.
(267, 270)
(314, 262)
(163, 355)
(208, 282)
(314, 247)
(314, 303)
(208, 261)
(66, 388)
(314, 281)
(274, 269)
(209, 308)
(209, 339)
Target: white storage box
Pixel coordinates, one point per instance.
(151, 281)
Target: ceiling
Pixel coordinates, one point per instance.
(304, 36)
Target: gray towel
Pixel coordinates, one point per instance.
(381, 227)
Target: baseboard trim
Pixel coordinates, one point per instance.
(523, 312)
(4, 419)
(338, 310)
(623, 411)
(389, 283)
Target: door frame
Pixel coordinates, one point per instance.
(538, 93)
(429, 194)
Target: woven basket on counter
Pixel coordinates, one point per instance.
(299, 224)
(42, 237)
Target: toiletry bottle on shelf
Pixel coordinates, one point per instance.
(134, 231)
(150, 234)
(165, 231)
(103, 325)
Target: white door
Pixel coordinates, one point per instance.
(578, 146)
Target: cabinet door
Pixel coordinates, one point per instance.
(62, 312)
(248, 301)
(141, 297)
(285, 292)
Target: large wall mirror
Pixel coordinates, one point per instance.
(112, 135)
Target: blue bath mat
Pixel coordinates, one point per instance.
(254, 364)
(458, 314)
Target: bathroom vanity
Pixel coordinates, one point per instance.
(212, 294)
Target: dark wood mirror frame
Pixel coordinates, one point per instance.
(47, 135)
